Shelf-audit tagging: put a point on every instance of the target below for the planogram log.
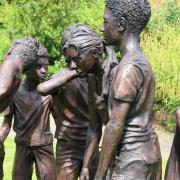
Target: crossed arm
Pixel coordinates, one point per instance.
(111, 138)
(94, 130)
(112, 135)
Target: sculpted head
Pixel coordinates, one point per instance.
(125, 15)
(38, 71)
(25, 49)
(81, 46)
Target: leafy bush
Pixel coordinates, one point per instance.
(169, 13)
(43, 19)
(161, 47)
(46, 19)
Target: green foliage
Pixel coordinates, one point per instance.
(164, 162)
(162, 49)
(172, 13)
(46, 19)
(169, 14)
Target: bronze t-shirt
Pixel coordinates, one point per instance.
(134, 82)
(31, 117)
(70, 111)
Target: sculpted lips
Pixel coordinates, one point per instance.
(42, 77)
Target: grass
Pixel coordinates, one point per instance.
(164, 162)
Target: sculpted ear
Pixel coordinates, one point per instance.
(95, 52)
(72, 50)
(122, 24)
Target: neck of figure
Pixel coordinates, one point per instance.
(31, 85)
(97, 70)
(129, 44)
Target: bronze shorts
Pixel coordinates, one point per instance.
(139, 163)
(25, 156)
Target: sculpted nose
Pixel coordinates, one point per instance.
(43, 70)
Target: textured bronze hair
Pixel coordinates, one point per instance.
(26, 49)
(42, 52)
(136, 12)
(83, 37)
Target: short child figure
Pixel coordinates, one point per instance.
(34, 141)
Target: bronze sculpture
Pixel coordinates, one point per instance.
(31, 124)
(71, 106)
(84, 43)
(131, 96)
(21, 55)
(128, 149)
(173, 164)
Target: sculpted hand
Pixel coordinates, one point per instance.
(84, 174)
(25, 48)
(98, 178)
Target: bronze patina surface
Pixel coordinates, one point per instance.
(22, 54)
(31, 123)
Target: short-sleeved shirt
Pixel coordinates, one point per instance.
(31, 117)
(133, 82)
(70, 111)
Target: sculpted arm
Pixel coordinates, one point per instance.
(57, 81)
(4, 131)
(92, 142)
(21, 56)
(10, 78)
(125, 86)
(5, 127)
(94, 130)
(112, 135)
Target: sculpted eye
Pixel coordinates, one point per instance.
(46, 66)
(38, 66)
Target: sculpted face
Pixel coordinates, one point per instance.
(85, 61)
(110, 31)
(39, 71)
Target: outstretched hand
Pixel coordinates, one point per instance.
(84, 174)
(98, 178)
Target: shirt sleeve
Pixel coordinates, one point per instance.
(128, 82)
